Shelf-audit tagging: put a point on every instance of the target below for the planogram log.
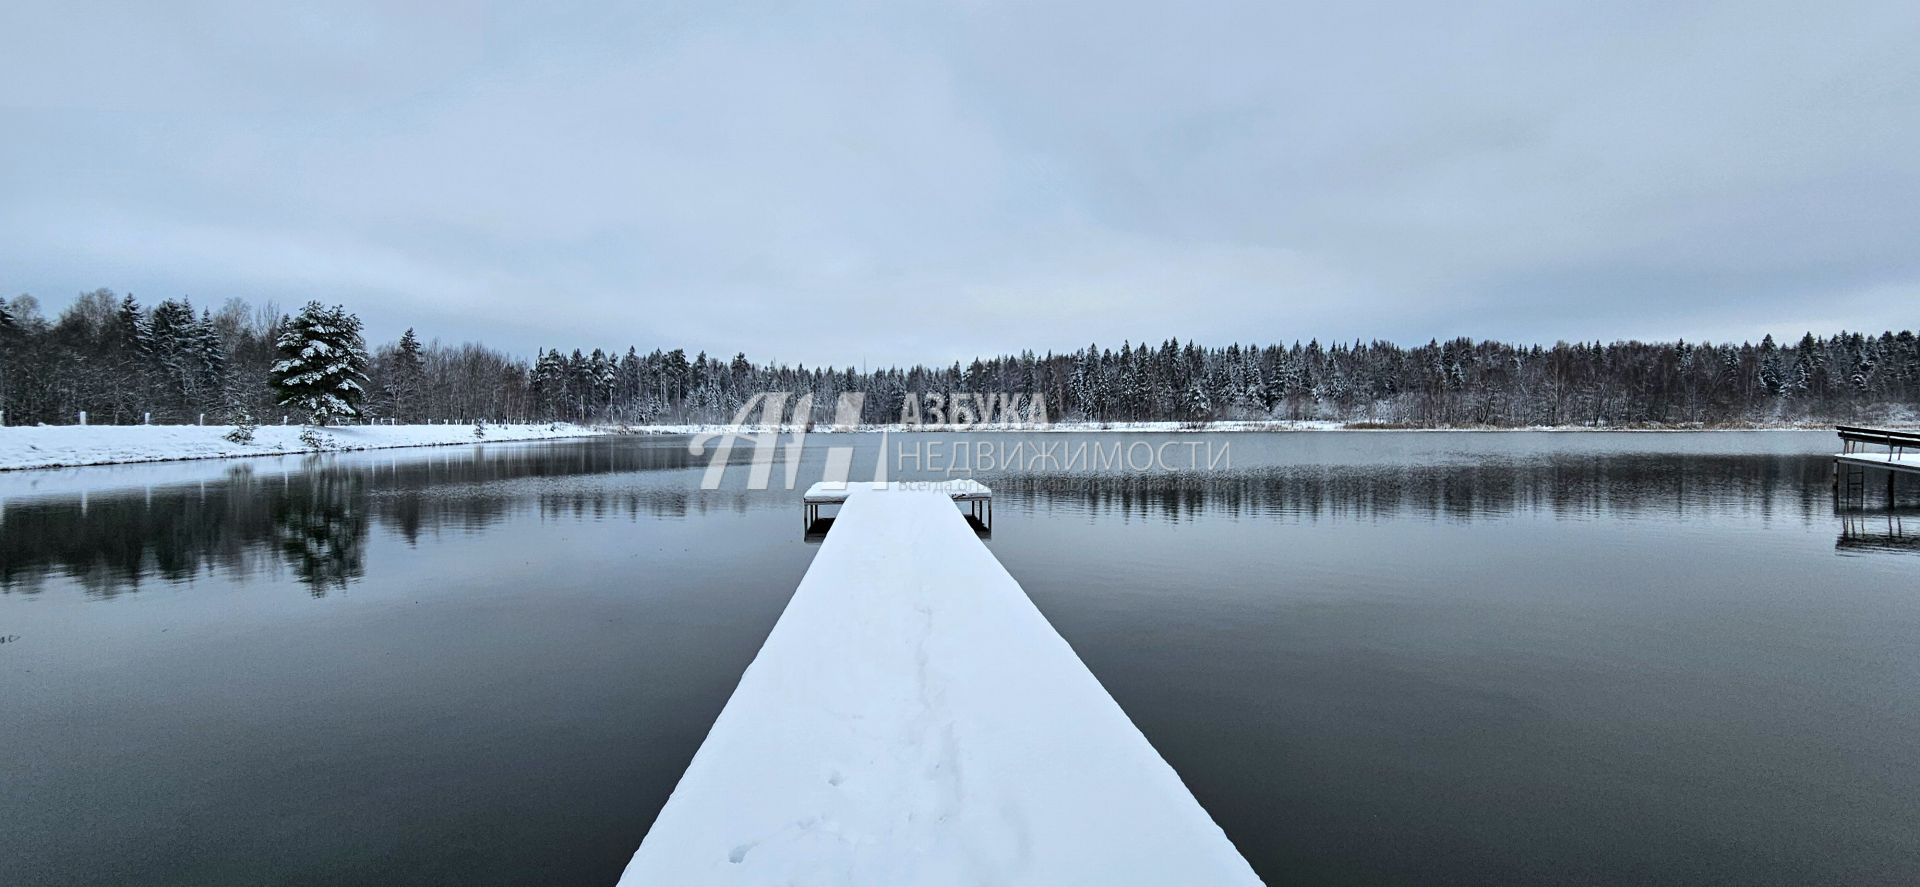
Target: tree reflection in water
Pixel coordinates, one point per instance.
(319, 525)
(315, 516)
(1564, 485)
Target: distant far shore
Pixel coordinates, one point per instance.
(71, 446)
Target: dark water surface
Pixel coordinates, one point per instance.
(1374, 657)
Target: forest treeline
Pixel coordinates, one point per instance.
(120, 361)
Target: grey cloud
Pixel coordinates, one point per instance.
(908, 182)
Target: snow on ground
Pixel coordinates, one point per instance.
(52, 446)
(825, 428)
(55, 446)
(827, 492)
(1078, 427)
(913, 719)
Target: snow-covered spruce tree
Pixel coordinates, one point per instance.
(312, 439)
(406, 376)
(7, 328)
(322, 368)
(243, 427)
(1199, 405)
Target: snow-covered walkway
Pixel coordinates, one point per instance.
(55, 446)
(913, 719)
(1902, 462)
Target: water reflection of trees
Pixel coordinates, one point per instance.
(1566, 486)
(320, 528)
(315, 520)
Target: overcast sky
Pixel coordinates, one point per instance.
(895, 181)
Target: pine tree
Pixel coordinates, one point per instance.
(243, 427)
(212, 365)
(602, 376)
(1199, 406)
(1770, 378)
(677, 372)
(132, 329)
(409, 368)
(548, 382)
(322, 369)
(136, 383)
(173, 356)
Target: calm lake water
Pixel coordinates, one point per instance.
(1374, 657)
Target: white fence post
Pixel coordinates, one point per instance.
(146, 418)
(83, 417)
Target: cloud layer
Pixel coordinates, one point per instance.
(901, 182)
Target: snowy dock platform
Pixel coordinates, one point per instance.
(1850, 465)
(974, 494)
(1909, 463)
(913, 719)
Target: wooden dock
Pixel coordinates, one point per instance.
(972, 494)
(1862, 450)
(913, 719)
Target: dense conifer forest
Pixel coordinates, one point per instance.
(121, 362)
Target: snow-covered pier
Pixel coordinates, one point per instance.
(971, 493)
(913, 719)
(1902, 456)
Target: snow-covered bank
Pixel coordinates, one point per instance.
(874, 428)
(913, 719)
(56, 446)
(65, 446)
(1245, 426)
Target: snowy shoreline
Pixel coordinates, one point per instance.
(71, 446)
(1241, 427)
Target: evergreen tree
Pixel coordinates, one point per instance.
(1199, 406)
(131, 328)
(243, 427)
(548, 382)
(677, 372)
(173, 356)
(8, 327)
(322, 368)
(212, 354)
(1770, 378)
(409, 368)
